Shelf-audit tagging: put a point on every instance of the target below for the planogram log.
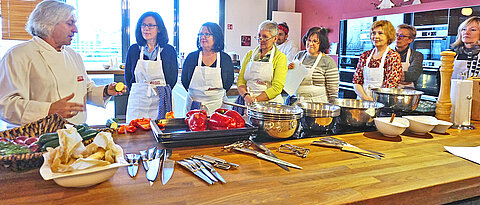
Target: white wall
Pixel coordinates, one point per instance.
(245, 16)
(286, 5)
(294, 22)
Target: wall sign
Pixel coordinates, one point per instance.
(246, 40)
(230, 26)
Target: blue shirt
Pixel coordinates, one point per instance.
(169, 63)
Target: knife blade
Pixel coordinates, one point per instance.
(203, 169)
(143, 154)
(168, 166)
(195, 171)
(347, 147)
(266, 157)
(153, 166)
(132, 169)
(268, 152)
(213, 171)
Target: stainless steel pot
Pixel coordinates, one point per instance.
(357, 113)
(273, 119)
(404, 100)
(318, 117)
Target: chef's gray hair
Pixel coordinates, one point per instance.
(269, 26)
(46, 15)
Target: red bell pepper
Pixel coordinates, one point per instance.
(191, 112)
(221, 122)
(237, 117)
(221, 110)
(197, 122)
(169, 115)
(143, 123)
(126, 128)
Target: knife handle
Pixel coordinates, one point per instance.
(326, 144)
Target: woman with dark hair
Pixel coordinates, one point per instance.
(379, 67)
(208, 72)
(151, 70)
(320, 84)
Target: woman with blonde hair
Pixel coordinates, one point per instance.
(379, 67)
(467, 45)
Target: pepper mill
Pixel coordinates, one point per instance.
(444, 103)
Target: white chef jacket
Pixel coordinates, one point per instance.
(33, 75)
(290, 49)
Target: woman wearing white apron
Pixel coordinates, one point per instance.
(264, 69)
(379, 67)
(467, 47)
(151, 70)
(208, 72)
(321, 82)
(412, 61)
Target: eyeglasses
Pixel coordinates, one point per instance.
(263, 39)
(401, 36)
(206, 35)
(313, 41)
(149, 26)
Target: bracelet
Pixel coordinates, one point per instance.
(244, 95)
(105, 91)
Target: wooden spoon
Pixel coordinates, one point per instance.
(393, 117)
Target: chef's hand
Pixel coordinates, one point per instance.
(291, 66)
(64, 108)
(249, 99)
(112, 92)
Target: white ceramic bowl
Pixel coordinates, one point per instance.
(397, 127)
(420, 125)
(85, 177)
(442, 126)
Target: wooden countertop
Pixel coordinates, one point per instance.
(417, 170)
(106, 71)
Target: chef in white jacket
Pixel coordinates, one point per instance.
(289, 48)
(42, 76)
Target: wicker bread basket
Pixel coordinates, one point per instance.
(19, 162)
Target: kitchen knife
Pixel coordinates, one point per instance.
(168, 166)
(143, 154)
(153, 166)
(195, 171)
(268, 152)
(266, 157)
(213, 171)
(349, 148)
(203, 169)
(132, 169)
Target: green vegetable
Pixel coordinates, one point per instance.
(89, 134)
(82, 127)
(52, 144)
(47, 137)
(7, 148)
(112, 123)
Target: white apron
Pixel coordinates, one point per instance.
(259, 76)
(405, 65)
(459, 67)
(143, 100)
(307, 92)
(62, 69)
(373, 77)
(206, 87)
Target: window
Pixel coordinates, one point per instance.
(189, 21)
(99, 39)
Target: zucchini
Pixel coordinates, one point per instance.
(89, 134)
(82, 127)
(46, 138)
(52, 144)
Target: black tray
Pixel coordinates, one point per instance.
(177, 134)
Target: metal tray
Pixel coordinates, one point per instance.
(177, 134)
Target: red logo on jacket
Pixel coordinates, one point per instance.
(80, 78)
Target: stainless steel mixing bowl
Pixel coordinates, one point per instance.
(318, 117)
(357, 113)
(404, 100)
(275, 120)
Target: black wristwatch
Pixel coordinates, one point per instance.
(243, 96)
(105, 91)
